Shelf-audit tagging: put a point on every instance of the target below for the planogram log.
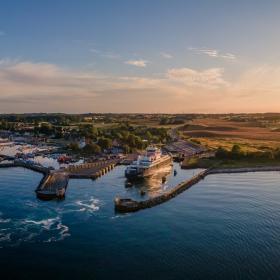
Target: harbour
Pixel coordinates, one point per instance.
(139, 140)
(86, 226)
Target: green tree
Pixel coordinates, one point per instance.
(236, 152)
(105, 143)
(126, 148)
(92, 148)
(221, 153)
(74, 147)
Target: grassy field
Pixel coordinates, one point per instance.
(213, 162)
(217, 132)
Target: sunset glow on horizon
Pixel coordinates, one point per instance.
(139, 57)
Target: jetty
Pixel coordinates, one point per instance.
(125, 205)
(91, 170)
(27, 165)
(130, 205)
(54, 183)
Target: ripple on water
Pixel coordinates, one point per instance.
(225, 225)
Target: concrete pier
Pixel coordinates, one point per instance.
(91, 170)
(129, 205)
(54, 183)
(34, 167)
(53, 186)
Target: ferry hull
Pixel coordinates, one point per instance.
(147, 172)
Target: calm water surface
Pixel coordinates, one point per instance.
(225, 227)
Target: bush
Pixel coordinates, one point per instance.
(105, 143)
(74, 147)
(222, 153)
(92, 148)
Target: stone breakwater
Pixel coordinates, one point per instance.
(129, 205)
(243, 169)
(54, 182)
(31, 166)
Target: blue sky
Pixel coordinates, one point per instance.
(139, 56)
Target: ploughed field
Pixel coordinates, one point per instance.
(215, 132)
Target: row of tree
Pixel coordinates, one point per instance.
(237, 153)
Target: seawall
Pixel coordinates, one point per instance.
(37, 168)
(129, 205)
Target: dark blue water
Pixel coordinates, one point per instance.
(225, 227)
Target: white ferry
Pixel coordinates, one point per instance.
(147, 164)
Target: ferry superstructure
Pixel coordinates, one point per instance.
(148, 164)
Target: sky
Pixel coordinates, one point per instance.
(144, 56)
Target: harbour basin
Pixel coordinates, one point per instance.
(226, 226)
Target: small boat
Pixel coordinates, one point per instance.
(142, 192)
(128, 184)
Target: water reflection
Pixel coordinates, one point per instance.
(154, 185)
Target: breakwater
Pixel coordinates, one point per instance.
(243, 169)
(31, 166)
(129, 205)
(53, 185)
(54, 182)
(126, 205)
(91, 170)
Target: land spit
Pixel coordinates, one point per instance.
(125, 205)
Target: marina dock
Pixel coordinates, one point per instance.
(53, 185)
(31, 166)
(54, 182)
(91, 170)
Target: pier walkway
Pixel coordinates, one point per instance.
(54, 183)
(91, 170)
(19, 163)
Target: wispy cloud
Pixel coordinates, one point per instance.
(49, 87)
(212, 77)
(137, 63)
(106, 54)
(213, 53)
(166, 55)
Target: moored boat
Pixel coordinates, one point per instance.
(147, 165)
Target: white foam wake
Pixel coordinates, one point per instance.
(31, 230)
(92, 205)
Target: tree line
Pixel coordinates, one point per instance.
(237, 153)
